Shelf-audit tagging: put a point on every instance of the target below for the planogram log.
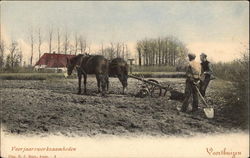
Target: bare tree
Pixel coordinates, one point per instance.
(20, 57)
(118, 49)
(2, 51)
(31, 46)
(58, 41)
(139, 50)
(123, 49)
(39, 42)
(12, 50)
(102, 50)
(127, 52)
(71, 49)
(112, 52)
(50, 39)
(89, 48)
(66, 42)
(82, 44)
(76, 43)
(161, 51)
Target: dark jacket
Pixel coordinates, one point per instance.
(206, 68)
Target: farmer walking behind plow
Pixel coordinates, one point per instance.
(193, 73)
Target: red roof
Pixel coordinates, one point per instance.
(54, 60)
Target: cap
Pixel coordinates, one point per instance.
(191, 56)
(203, 54)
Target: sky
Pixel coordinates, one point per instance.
(219, 29)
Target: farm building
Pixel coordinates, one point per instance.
(52, 62)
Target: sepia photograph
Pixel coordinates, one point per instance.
(123, 79)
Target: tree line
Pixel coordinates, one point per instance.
(150, 52)
(74, 43)
(114, 50)
(161, 51)
(55, 40)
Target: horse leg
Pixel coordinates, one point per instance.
(125, 84)
(79, 83)
(98, 83)
(120, 79)
(107, 80)
(85, 82)
(103, 80)
(123, 80)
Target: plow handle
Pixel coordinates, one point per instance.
(149, 82)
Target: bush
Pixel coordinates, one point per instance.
(237, 105)
(17, 69)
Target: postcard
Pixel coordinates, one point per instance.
(90, 79)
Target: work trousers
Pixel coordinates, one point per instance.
(190, 90)
(204, 84)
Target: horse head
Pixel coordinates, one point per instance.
(69, 66)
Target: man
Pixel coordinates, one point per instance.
(193, 72)
(206, 73)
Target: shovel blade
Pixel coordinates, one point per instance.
(209, 112)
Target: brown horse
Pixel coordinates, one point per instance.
(118, 67)
(90, 64)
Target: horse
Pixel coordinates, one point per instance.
(118, 67)
(90, 64)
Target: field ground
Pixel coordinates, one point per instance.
(51, 76)
(52, 106)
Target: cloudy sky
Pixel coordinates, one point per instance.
(220, 29)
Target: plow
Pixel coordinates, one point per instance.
(151, 87)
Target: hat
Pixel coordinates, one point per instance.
(203, 54)
(191, 56)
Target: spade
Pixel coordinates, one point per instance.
(209, 111)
